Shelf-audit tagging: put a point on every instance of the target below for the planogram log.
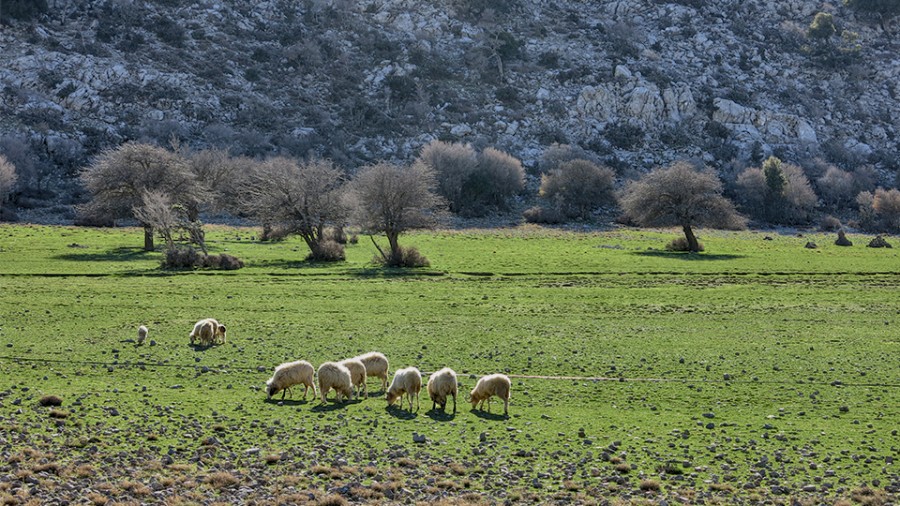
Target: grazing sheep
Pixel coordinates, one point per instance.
(488, 386)
(376, 365)
(289, 374)
(357, 375)
(142, 334)
(440, 385)
(207, 332)
(336, 376)
(406, 381)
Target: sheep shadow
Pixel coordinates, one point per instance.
(489, 416)
(440, 416)
(401, 413)
(333, 406)
(289, 402)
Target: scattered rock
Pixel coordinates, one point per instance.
(810, 245)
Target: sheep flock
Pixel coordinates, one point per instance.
(348, 377)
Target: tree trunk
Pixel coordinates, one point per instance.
(395, 246)
(693, 244)
(148, 238)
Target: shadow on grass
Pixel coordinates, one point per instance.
(489, 416)
(438, 415)
(120, 254)
(401, 413)
(289, 401)
(685, 255)
(332, 406)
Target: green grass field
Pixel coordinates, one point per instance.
(756, 372)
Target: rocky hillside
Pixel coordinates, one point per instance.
(639, 83)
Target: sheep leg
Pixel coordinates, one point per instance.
(506, 407)
(417, 402)
(454, 403)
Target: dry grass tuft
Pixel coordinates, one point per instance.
(332, 500)
(50, 400)
(221, 479)
(868, 496)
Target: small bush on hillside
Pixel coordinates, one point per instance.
(624, 135)
(830, 224)
(557, 154)
(22, 10)
(681, 244)
(544, 215)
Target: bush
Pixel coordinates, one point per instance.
(453, 163)
(186, 257)
(777, 193)
(830, 224)
(681, 244)
(543, 215)
(328, 251)
(624, 135)
(181, 257)
(578, 187)
(557, 154)
(406, 257)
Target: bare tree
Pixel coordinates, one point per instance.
(680, 195)
(393, 199)
(577, 187)
(118, 179)
(7, 178)
(157, 211)
(303, 198)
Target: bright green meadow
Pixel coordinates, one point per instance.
(758, 371)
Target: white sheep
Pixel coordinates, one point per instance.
(376, 365)
(441, 384)
(336, 376)
(406, 381)
(142, 334)
(289, 374)
(488, 386)
(357, 375)
(207, 332)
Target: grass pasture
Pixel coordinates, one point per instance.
(757, 372)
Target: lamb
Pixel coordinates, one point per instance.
(406, 381)
(376, 365)
(488, 386)
(336, 376)
(289, 374)
(440, 385)
(357, 375)
(142, 334)
(207, 332)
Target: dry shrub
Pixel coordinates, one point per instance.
(181, 258)
(50, 400)
(623, 468)
(577, 187)
(98, 499)
(328, 251)
(59, 414)
(336, 234)
(869, 496)
(544, 215)
(830, 224)
(405, 257)
(332, 500)
(649, 486)
(221, 479)
(274, 233)
(186, 257)
(680, 244)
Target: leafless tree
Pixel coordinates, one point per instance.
(453, 164)
(304, 198)
(118, 179)
(392, 199)
(680, 195)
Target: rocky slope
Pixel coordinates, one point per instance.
(639, 83)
